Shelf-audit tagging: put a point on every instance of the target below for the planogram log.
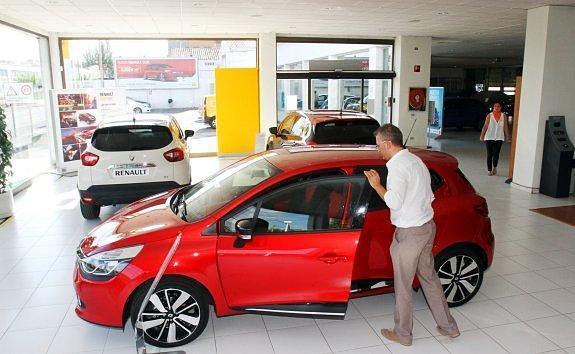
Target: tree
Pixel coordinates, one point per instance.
(104, 52)
(6, 150)
(31, 77)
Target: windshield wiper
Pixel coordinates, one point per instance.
(184, 207)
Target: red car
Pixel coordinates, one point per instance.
(292, 231)
(162, 72)
(315, 127)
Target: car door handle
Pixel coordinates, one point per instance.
(332, 258)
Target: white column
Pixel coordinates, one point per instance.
(375, 89)
(57, 66)
(411, 51)
(267, 73)
(304, 88)
(334, 88)
(547, 87)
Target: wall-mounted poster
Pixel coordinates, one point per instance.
(76, 116)
(417, 98)
(157, 73)
(436, 95)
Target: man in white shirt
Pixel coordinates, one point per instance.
(408, 195)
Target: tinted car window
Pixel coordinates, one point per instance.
(312, 206)
(318, 205)
(375, 201)
(346, 132)
(131, 138)
(436, 180)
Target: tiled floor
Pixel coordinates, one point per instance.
(526, 304)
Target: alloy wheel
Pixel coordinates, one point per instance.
(459, 277)
(171, 316)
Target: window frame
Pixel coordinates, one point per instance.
(258, 201)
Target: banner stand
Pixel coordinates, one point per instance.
(138, 331)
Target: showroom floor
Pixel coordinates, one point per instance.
(527, 302)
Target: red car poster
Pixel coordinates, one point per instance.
(417, 98)
(168, 72)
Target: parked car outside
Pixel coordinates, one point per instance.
(323, 127)
(295, 231)
(130, 158)
(209, 110)
(137, 106)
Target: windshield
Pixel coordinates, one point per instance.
(220, 189)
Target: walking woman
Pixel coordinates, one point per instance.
(495, 131)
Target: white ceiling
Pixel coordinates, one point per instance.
(462, 28)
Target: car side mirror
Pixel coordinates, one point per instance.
(292, 137)
(188, 134)
(274, 130)
(246, 228)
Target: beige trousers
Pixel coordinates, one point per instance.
(411, 253)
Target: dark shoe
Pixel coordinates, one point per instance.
(392, 336)
(443, 332)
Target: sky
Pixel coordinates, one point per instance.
(23, 46)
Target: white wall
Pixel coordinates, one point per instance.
(411, 51)
(547, 88)
(267, 73)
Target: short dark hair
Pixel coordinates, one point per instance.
(390, 132)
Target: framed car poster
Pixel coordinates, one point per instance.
(76, 114)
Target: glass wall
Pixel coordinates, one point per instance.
(315, 74)
(24, 91)
(160, 75)
(333, 56)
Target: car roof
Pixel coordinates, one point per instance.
(326, 115)
(345, 155)
(139, 119)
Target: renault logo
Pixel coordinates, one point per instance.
(132, 157)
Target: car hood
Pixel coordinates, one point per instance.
(147, 220)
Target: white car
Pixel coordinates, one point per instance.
(130, 158)
(138, 106)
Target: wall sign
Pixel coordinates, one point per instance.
(76, 115)
(436, 110)
(417, 98)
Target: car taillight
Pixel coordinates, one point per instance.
(174, 155)
(89, 159)
(482, 209)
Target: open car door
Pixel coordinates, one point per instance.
(292, 250)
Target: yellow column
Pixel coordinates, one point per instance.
(237, 110)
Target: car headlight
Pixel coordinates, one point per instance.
(105, 265)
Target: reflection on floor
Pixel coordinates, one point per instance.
(526, 304)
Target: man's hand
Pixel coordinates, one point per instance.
(373, 178)
(375, 182)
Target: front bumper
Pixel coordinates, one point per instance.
(113, 194)
(100, 303)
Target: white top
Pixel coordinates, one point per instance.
(495, 129)
(409, 193)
